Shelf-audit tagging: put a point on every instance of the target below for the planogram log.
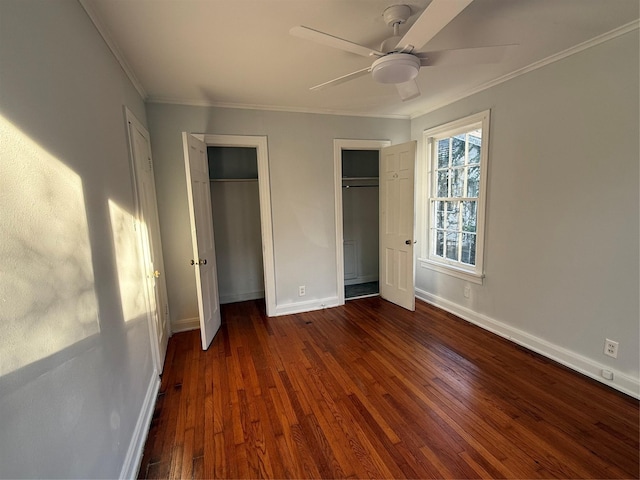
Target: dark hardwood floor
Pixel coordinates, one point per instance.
(371, 390)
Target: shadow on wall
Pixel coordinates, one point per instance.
(53, 335)
(47, 288)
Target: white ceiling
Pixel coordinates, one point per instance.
(239, 53)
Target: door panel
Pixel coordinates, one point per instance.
(204, 256)
(403, 259)
(397, 224)
(405, 215)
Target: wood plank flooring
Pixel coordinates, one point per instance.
(370, 390)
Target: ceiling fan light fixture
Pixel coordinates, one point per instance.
(395, 68)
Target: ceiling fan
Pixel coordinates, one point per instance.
(398, 60)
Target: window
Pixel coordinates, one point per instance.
(457, 171)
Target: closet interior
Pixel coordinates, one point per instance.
(235, 206)
(360, 214)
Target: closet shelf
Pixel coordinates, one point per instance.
(359, 182)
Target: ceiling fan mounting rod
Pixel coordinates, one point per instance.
(396, 15)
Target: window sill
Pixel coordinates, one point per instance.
(453, 271)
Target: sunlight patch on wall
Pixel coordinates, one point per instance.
(47, 289)
(127, 252)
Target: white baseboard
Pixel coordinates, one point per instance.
(134, 453)
(240, 297)
(308, 306)
(586, 366)
(185, 324)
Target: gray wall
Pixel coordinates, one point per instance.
(302, 192)
(360, 215)
(236, 226)
(562, 246)
(73, 373)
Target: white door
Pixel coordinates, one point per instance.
(149, 234)
(204, 254)
(397, 169)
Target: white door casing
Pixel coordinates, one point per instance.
(148, 232)
(266, 222)
(204, 255)
(338, 146)
(397, 172)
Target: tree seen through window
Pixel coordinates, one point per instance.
(455, 204)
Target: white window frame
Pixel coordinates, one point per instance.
(471, 273)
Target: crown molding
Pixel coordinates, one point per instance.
(271, 108)
(108, 39)
(605, 37)
(104, 32)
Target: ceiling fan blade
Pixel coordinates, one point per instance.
(342, 79)
(408, 90)
(335, 42)
(465, 56)
(435, 17)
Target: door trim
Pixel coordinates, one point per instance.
(266, 222)
(340, 144)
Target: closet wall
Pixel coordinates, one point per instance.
(235, 205)
(360, 215)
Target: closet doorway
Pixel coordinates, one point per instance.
(259, 144)
(356, 166)
(235, 206)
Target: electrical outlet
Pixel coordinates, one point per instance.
(467, 291)
(301, 291)
(611, 348)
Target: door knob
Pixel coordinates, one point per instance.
(193, 262)
(156, 274)
(202, 262)
(408, 242)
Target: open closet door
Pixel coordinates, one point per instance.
(397, 171)
(204, 254)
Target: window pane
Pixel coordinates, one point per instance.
(456, 157)
(453, 212)
(468, 248)
(469, 216)
(474, 151)
(440, 243)
(452, 246)
(439, 209)
(473, 182)
(443, 153)
(443, 177)
(457, 182)
(457, 150)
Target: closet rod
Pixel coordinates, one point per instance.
(233, 179)
(358, 186)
